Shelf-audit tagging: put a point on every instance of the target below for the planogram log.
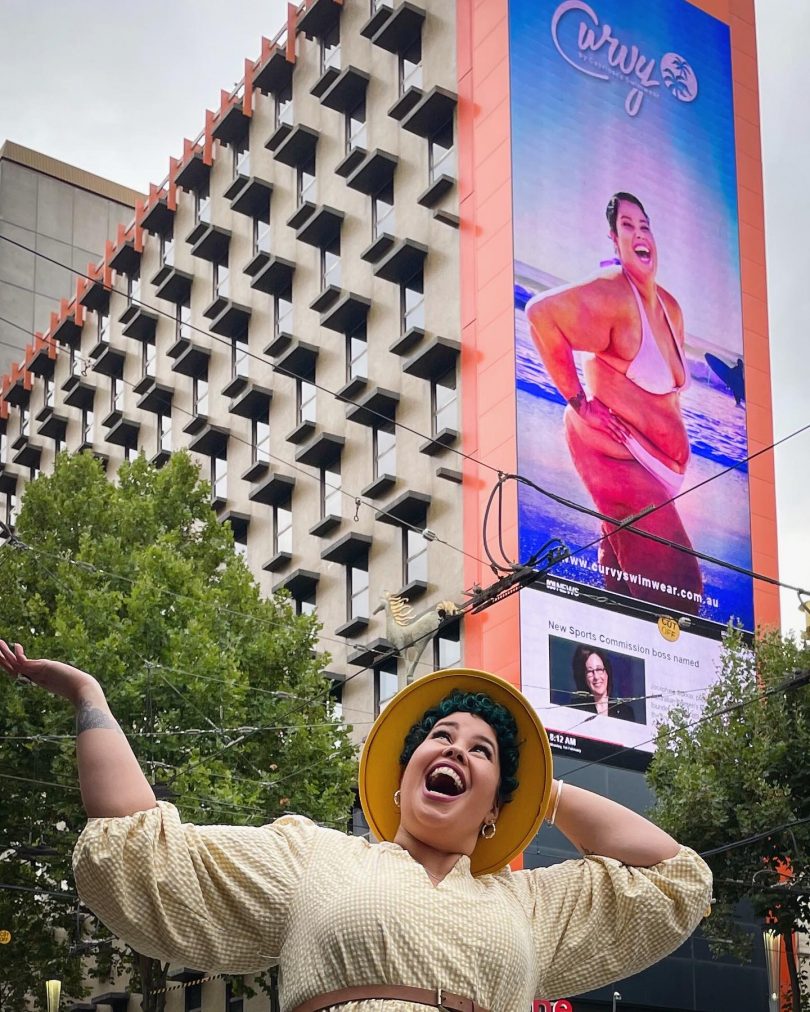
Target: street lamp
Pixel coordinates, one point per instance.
(616, 997)
(53, 991)
(773, 959)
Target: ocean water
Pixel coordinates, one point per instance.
(716, 516)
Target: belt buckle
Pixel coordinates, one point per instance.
(455, 1007)
(440, 1000)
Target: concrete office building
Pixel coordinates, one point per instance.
(319, 301)
(66, 215)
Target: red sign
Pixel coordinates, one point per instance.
(561, 1005)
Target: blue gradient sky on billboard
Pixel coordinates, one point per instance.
(589, 147)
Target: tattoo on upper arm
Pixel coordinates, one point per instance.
(89, 716)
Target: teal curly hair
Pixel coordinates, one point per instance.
(480, 705)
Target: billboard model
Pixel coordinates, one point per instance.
(629, 361)
(630, 374)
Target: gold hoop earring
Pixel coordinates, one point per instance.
(488, 830)
(396, 798)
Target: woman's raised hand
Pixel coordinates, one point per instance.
(54, 676)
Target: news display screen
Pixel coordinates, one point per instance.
(630, 374)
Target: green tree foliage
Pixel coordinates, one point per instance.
(741, 774)
(219, 690)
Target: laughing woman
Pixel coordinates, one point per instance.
(455, 778)
(626, 434)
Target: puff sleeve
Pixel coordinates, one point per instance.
(213, 897)
(595, 920)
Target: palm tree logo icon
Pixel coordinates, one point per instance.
(679, 77)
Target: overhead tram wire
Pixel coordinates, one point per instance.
(357, 500)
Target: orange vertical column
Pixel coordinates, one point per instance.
(492, 639)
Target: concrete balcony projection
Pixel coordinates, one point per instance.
(381, 12)
(404, 261)
(377, 409)
(194, 173)
(319, 17)
(210, 242)
(67, 331)
(322, 227)
(78, 392)
(275, 277)
(173, 285)
(52, 425)
(233, 125)
(96, 296)
(211, 441)
(231, 321)
(159, 218)
(433, 360)
(297, 147)
(374, 173)
(250, 196)
(431, 112)
(347, 91)
(252, 402)
(346, 313)
(190, 359)
(398, 32)
(139, 322)
(274, 490)
(408, 510)
(126, 259)
(153, 396)
(107, 360)
(323, 451)
(275, 74)
(27, 454)
(407, 101)
(300, 584)
(122, 431)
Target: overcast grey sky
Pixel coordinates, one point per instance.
(115, 87)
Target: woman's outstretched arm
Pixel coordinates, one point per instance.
(597, 825)
(112, 783)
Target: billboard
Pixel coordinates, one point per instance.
(575, 655)
(628, 321)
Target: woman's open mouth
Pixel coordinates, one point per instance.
(643, 253)
(443, 780)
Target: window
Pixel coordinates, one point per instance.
(414, 556)
(241, 158)
(233, 1002)
(444, 401)
(305, 181)
(24, 421)
(148, 358)
(12, 508)
(306, 392)
(284, 107)
(330, 49)
(330, 265)
(442, 153)
(357, 353)
(47, 392)
(447, 647)
(167, 250)
(410, 67)
(240, 357)
(193, 998)
(75, 362)
(386, 685)
(116, 394)
(240, 543)
(305, 605)
(182, 330)
(87, 426)
(331, 494)
(164, 433)
(202, 206)
(33, 472)
(356, 592)
(261, 236)
(103, 332)
(282, 314)
(199, 395)
(282, 529)
(133, 289)
(380, 5)
(221, 281)
(412, 303)
(385, 453)
(355, 136)
(382, 212)
(3, 448)
(219, 479)
(260, 441)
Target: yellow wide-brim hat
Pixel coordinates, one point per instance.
(380, 772)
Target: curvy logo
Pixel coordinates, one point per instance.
(602, 55)
(679, 77)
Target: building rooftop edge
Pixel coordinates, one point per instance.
(69, 173)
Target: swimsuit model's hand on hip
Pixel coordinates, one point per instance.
(595, 414)
(53, 676)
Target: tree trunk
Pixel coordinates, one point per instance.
(153, 983)
(795, 991)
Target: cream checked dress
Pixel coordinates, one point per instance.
(336, 911)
